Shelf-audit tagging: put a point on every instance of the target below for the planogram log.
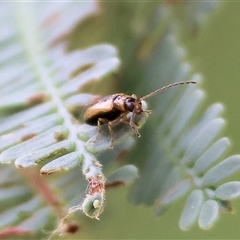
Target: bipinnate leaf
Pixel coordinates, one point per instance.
(180, 153)
(184, 141)
(38, 125)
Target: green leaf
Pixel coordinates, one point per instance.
(122, 176)
(191, 209)
(209, 214)
(37, 124)
(55, 150)
(211, 155)
(178, 190)
(228, 190)
(179, 137)
(203, 139)
(222, 170)
(41, 141)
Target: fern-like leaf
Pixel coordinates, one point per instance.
(189, 155)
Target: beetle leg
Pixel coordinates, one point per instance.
(133, 125)
(111, 133)
(120, 118)
(100, 122)
(99, 131)
(130, 122)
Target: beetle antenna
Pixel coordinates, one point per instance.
(165, 87)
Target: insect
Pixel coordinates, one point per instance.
(115, 108)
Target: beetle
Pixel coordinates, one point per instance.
(115, 108)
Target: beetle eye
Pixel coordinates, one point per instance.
(129, 105)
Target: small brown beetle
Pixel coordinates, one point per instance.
(114, 108)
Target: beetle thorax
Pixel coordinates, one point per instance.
(119, 102)
(128, 103)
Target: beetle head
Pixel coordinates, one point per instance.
(133, 104)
